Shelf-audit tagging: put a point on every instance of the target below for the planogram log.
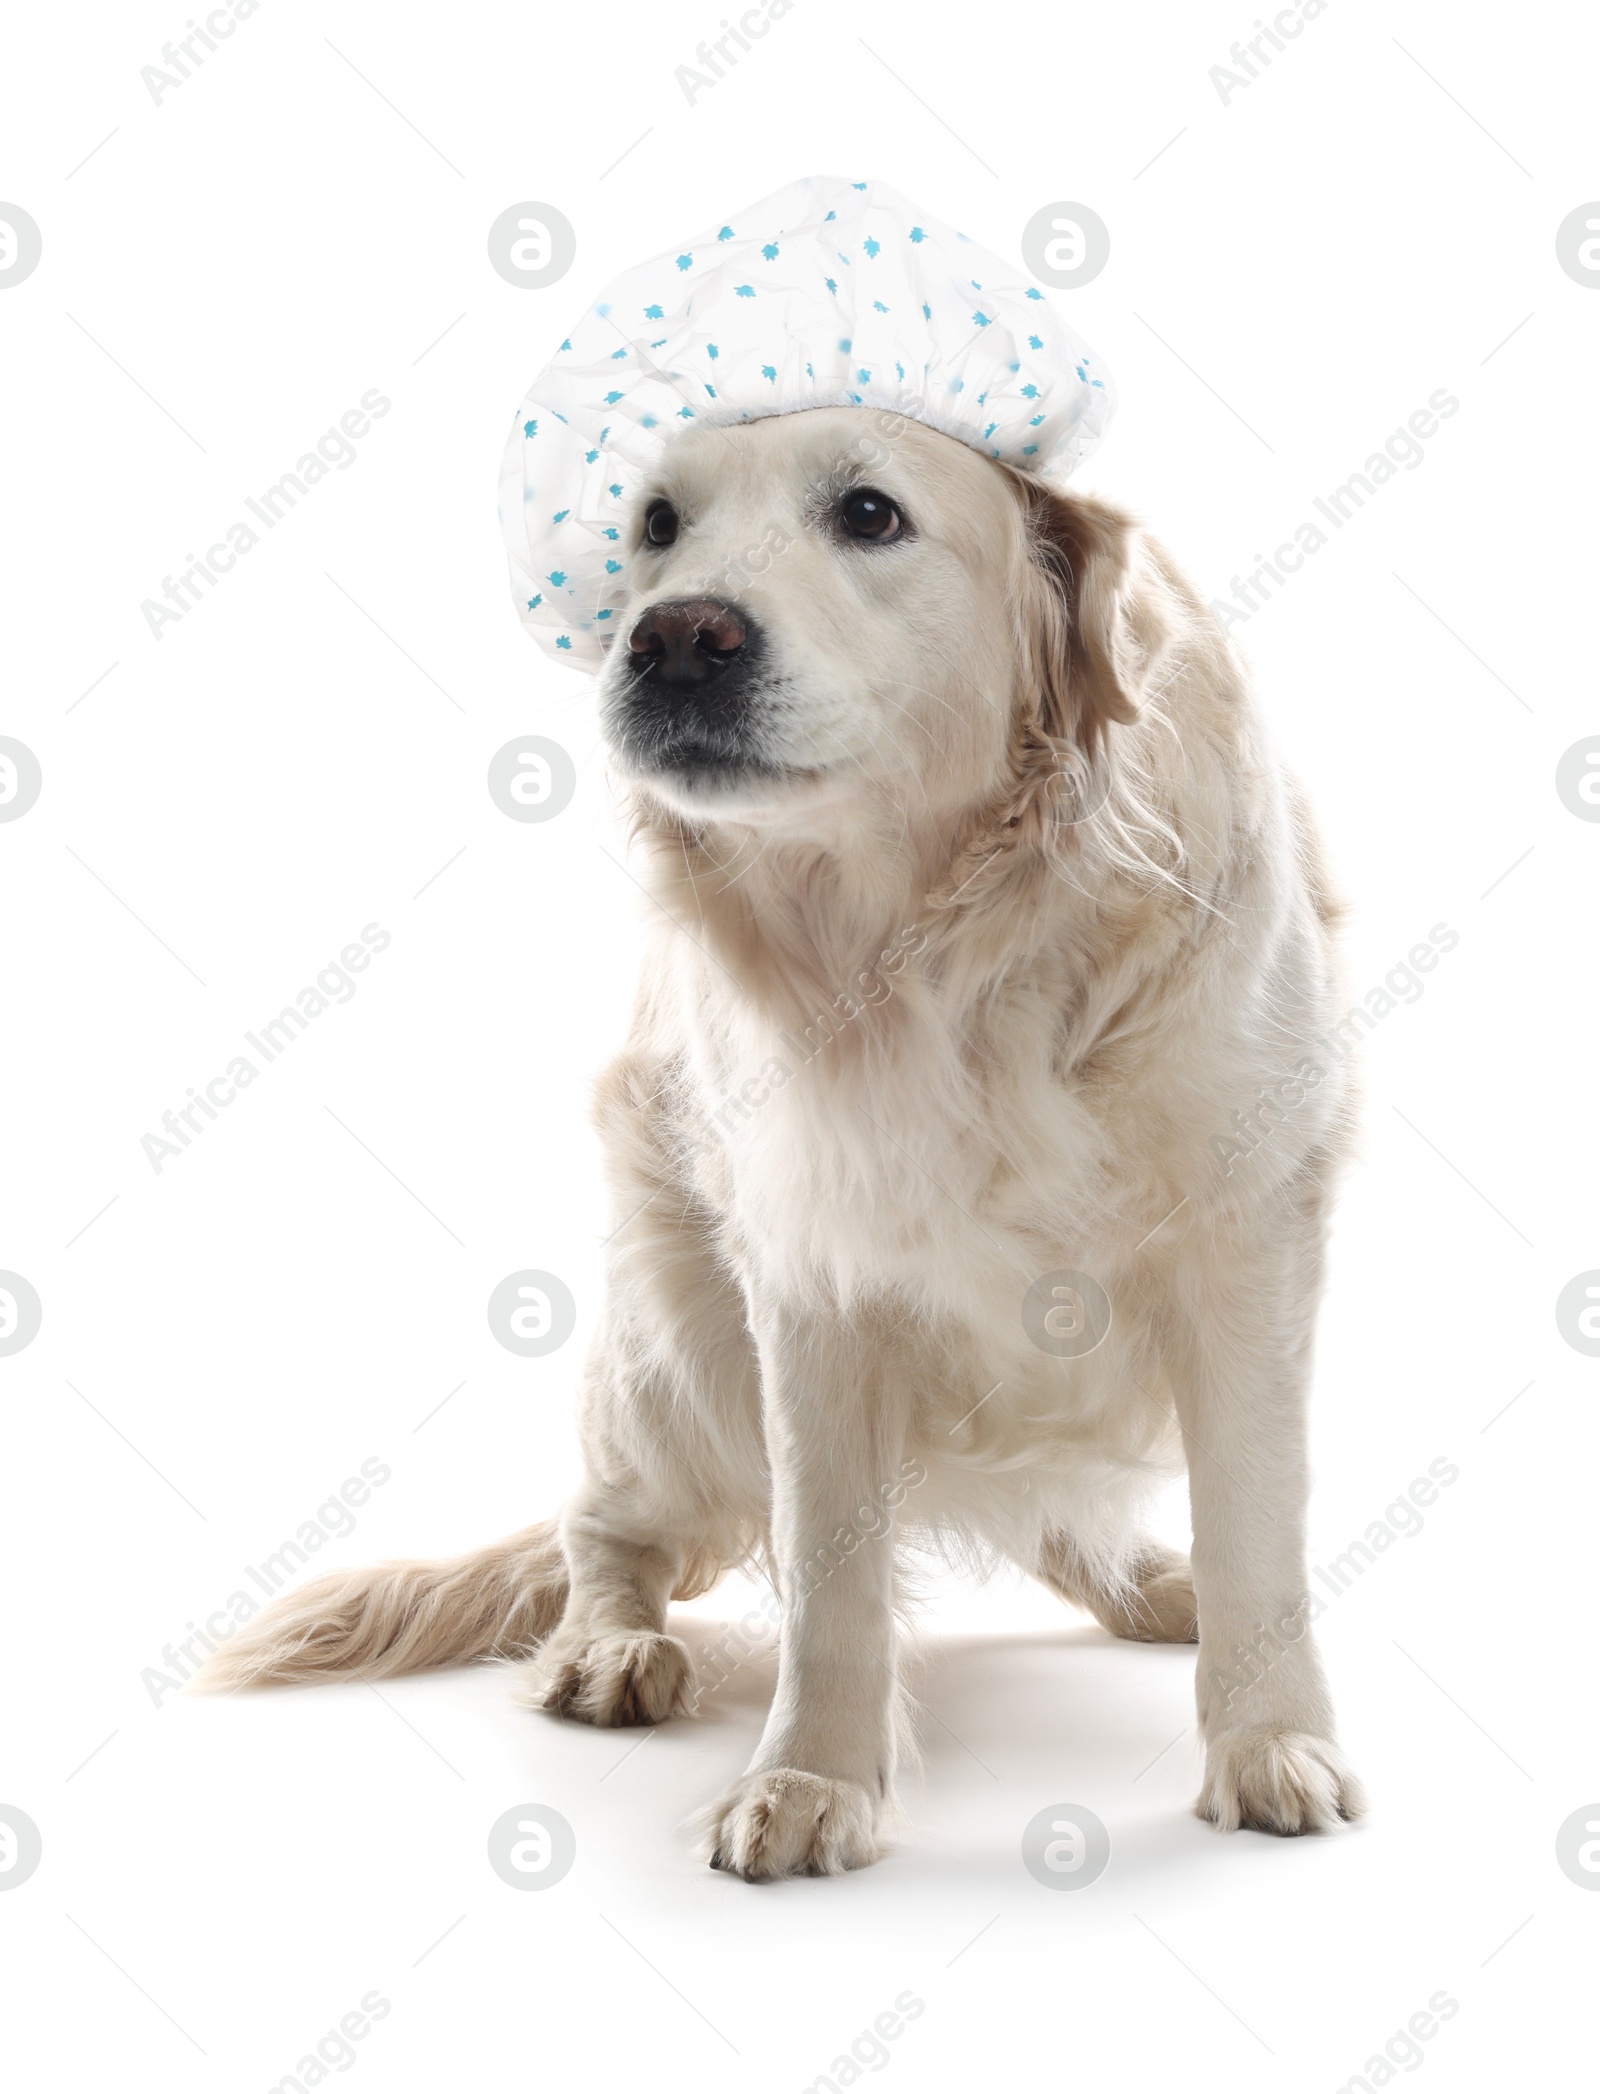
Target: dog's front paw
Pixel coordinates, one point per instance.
(1282, 1781)
(789, 1823)
(611, 1680)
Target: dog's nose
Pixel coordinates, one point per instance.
(686, 642)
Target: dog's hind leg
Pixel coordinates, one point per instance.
(1155, 1604)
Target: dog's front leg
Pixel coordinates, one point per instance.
(1243, 1369)
(834, 1418)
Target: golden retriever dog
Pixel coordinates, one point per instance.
(971, 1151)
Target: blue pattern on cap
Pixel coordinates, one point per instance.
(773, 300)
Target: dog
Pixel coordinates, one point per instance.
(970, 1147)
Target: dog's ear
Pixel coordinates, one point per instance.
(1098, 630)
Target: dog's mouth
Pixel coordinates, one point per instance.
(708, 721)
(710, 735)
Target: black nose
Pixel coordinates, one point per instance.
(686, 643)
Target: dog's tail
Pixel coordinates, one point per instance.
(498, 1602)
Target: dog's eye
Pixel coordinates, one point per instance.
(660, 524)
(868, 514)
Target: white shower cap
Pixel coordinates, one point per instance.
(828, 294)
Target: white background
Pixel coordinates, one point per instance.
(226, 808)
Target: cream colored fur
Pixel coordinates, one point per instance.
(1026, 867)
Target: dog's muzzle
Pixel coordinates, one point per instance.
(681, 694)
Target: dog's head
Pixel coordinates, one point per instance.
(840, 605)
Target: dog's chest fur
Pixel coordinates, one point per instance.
(919, 1128)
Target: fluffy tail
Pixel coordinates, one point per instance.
(497, 1602)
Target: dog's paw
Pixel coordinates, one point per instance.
(789, 1823)
(1280, 1781)
(616, 1680)
(1159, 1608)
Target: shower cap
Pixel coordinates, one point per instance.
(828, 294)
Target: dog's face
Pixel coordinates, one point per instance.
(825, 610)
